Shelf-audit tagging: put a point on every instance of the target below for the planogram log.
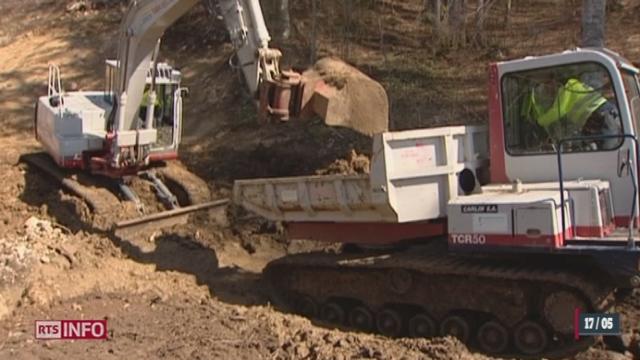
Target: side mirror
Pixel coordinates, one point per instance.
(184, 92)
(624, 161)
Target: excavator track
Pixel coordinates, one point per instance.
(102, 203)
(189, 188)
(499, 305)
(109, 213)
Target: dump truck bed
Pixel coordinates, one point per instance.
(413, 175)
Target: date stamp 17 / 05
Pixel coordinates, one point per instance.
(596, 324)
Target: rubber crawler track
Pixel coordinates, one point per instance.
(190, 188)
(426, 280)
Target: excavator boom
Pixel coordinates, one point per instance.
(333, 90)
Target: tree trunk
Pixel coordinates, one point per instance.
(285, 24)
(507, 13)
(314, 31)
(593, 23)
(348, 11)
(434, 11)
(457, 19)
(481, 12)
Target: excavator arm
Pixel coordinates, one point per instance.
(335, 91)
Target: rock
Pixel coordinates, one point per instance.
(627, 340)
(45, 259)
(600, 355)
(329, 338)
(21, 252)
(302, 351)
(634, 346)
(77, 6)
(342, 343)
(239, 311)
(39, 294)
(4, 309)
(618, 344)
(62, 262)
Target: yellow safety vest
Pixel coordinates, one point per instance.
(575, 101)
(145, 98)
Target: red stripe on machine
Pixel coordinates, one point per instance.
(496, 132)
(550, 241)
(623, 221)
(72, 163)
(594, 231)
(160, 156)
(365, 232)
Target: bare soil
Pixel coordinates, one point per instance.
(195, 291)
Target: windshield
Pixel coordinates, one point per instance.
(633, 96)
(543, 106)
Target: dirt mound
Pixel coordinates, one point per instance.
(41, 241)
(354, 164)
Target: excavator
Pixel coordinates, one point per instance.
(505, 236)
(104, 142)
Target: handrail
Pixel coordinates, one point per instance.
(55, 86)
(634, 180)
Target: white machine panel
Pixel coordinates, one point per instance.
(508, 218)
(592, 206)
(490, 223)
(75, 126)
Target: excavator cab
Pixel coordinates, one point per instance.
(167, 107)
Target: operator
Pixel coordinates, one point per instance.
(157, 106)
(577, 109)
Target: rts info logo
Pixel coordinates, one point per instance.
(71, 329)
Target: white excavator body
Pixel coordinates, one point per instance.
(72, 125)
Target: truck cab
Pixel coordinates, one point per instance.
(525, 149)
(563, 158)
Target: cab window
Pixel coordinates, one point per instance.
(633, 96)
(543, 106)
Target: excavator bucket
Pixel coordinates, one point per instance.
(344, 96)
(333, 90)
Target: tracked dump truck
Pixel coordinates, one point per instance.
(495, 235)
(98, 143)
